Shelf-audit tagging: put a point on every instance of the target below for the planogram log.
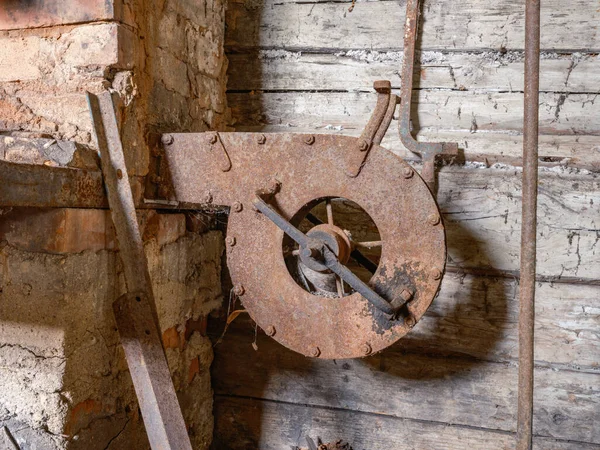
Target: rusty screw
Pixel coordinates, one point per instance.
(410, 321)
(230, 240)
(208, 198)
(406, 294)
(436, 273)
(315, 352)
(237, 207)
(433, 219)
(270, 330)
(212, 139)
(309, 140)
(239, 290)
(364, 146)
(167, 139)
(119, 174)
(366, 348)
(408, 172)
(261, 139)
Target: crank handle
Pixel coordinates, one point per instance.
(321, 251)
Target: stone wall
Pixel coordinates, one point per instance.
(65, 383)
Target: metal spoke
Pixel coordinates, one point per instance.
(329, 208)
(369, 244)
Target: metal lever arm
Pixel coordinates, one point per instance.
(320, 251)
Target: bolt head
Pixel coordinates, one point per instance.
(410, 321)
(270, 330)
(309, 140)
(436, 274)
(433, 219)
(364, 146)
(366, 348)
(261, 139)
(408, 172)
(237, 207)
(406, 294)
(239, 290)
(167, 139)
(315, 352)
(119, 174)
(230, 240)
(213, 138)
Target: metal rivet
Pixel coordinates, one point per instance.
(366, 348)
(237, 207)
(408, 172)
(270, 330)
(406, 294)
(167, 139)
(410, 321)
(239, 290)
(212, 139)
(119, 174)
(261, 139)
(309, 140)
(433, 219)
(208, 198)
(230, 240)
(436, 273)
(364, 146)
(315, 351)
(273, 186)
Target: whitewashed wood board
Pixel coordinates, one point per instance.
(459, 24)
(242, 423)
(355, 70)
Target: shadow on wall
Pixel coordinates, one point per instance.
(429, 366)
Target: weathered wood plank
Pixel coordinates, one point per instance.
(419, 387)
(436, 110)
(265, 425)
(463, 24)
(355, 70)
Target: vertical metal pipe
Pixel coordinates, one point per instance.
(528, 224)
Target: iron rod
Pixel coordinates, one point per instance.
(528, 225)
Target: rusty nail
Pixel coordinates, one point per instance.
(230, 240)
(155, 179)
(410, 321)
(364, 145)
(261, 139)
(433, 219)
(309, 140)
(408, 172)
(270, 330)
(239, 290)
(436, 273)
(208, 198)
(315, 351)
(382, 85)
(366, 348)
(212, 139)
(167, 139)
(119, 174)
(237, 207)
(406, 294)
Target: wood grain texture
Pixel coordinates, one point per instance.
(463, 24)
(355, 70)
(250, 424)
(412, 385)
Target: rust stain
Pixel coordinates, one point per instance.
(194, 369)
(81, 414)
(171, 338)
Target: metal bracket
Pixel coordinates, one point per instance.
(427, 150)
(135, 313)
(376, 127)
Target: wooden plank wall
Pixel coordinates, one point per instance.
(451, 383)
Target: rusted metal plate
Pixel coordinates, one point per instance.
(37, 13)
(387, 188)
